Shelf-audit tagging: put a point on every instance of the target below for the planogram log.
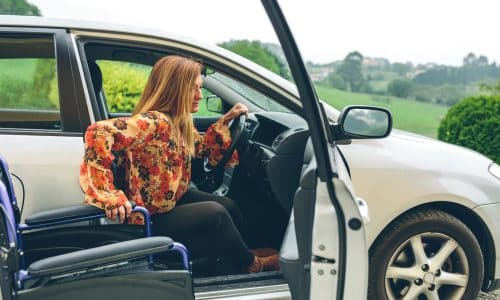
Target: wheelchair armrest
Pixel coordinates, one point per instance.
(65, 215)
(103, 255)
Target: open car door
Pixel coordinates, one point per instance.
(324, 254)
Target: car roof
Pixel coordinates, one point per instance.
(74, 24)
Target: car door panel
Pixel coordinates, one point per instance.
(331, 238)
(296, 248)
(43, 163)
(41, 156)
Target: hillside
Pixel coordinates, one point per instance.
(419, 117)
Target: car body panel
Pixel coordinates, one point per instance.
(52, 158)
(276, 292)
(451, 174)
(489, 214)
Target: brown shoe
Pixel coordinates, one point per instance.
(256, 266)
(263, 252)
(271, 263)
(268, 263)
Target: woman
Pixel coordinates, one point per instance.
(158, 143)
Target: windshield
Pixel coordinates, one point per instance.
(255, 97)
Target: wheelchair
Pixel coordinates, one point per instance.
(121, 270)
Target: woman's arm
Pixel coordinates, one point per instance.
(217, 138)
(96, 177)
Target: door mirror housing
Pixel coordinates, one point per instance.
(362, 122)
(214, 104)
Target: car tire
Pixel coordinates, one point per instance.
(426, 254)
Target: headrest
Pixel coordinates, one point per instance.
(96, 75)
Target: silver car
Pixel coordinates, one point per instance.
(432, 230)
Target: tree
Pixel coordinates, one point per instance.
(18, 7)
(400, 88)
(401, 69)
(350, 71)
(482, 61)
(470, 59)
(256, 52)
(336, 81)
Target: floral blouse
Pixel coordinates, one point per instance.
(157, 164)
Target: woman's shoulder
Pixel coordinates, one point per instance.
(153, 115)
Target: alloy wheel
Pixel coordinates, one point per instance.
(427, 266)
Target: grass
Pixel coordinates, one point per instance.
(18, 68)
(409, 115)
(379, 85)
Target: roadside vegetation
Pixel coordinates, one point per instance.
(457, 104)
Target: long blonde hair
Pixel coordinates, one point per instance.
(170, 89)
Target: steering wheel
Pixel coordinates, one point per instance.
(236, 129)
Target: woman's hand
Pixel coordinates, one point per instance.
(237, 110)
(121, 212)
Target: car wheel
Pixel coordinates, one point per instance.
(428, 254)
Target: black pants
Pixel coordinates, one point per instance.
(208, 226)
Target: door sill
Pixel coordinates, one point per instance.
(204, 285)
(268, 292)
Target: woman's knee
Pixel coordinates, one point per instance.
(215, 210)
(228, 203)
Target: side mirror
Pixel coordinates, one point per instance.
(214, 104)
(363, 122)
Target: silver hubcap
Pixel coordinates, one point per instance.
(427, 266)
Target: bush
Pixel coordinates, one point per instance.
(446, 94)
(400, 88)
(123, 84)
(334, 80)
(474, 123)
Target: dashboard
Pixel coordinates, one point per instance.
(276, 152)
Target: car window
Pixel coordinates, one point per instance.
(29, 92)
(124, 70)
(123, 83)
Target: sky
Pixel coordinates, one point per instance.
(417, 31)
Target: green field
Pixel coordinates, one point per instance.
(409, 115)
(18, 68)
